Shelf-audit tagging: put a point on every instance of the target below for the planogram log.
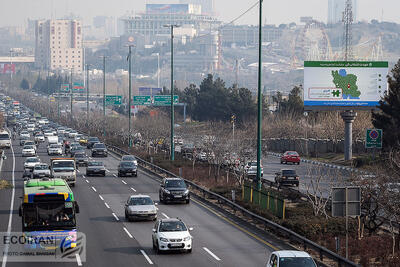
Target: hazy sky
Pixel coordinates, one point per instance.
(15, 12)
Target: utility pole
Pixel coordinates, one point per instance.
(172, 26)
(87, 96)
(48, 89)
(70, 91)
(130, 95)
(259, 99)
(158, 70)
(104, 95)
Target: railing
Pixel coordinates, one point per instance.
(205, 193)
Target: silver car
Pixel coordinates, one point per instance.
(41, 170)
(140, 207)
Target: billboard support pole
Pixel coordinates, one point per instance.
(348, 117)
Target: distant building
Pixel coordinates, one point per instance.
(336, 9)
(244, 35)
(207, 6)
(58, 45)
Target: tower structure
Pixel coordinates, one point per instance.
(347, 34)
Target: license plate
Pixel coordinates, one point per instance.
(177, 196)
(176, 245)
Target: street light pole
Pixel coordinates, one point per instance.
(130, 95)
(87, 96)
(259, 99)
(70, 92)
(172, 26)
(158, 70)
(104, 95)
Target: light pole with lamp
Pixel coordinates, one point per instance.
(130, 95)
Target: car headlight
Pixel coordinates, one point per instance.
(186, 192)
(167, 191)
(163, 239)
(187, 238)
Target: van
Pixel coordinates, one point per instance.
(5, 140)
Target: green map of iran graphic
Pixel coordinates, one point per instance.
(347, 82)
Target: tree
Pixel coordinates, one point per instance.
(388, 116)
(24, 84)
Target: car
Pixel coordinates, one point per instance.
(140, 207)
(251, 169)
(126, 168)
(77, 138)
(81, 159)
(24, 134)
(129, 158)
(48, 132)
(22, 140)
(286, 258)
(30, 143)
(41, 170)
(83, 140)
(99, 149)
(174, 190)
(76, 149)
(28, 151)
(95, 168)
(39, 138)
(287, 176)
(91, 141)
(27, 174)
(54, 149)
(172, 234)
(290, 156)
(5, 140)
(72, 134)
(31, 162)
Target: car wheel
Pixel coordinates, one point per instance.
(119, 174)
(298, 163)
(157, 248)
(160, 198)
(189, 250)
(136, 175)
(187, 201)
(73, 185)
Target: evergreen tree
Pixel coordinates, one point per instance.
(387, 117)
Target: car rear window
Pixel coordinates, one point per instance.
(292, 153)
(288, 172)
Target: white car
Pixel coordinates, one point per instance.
(24, 134)
(54, 149)
(28, 151)
(140, 207)
(41, 170)
(171, 234)
(72, 134)
(31, 162)
(78, 137)
(48, 133)
(284, 258)
(39, 138)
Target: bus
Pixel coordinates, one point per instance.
(49, 208)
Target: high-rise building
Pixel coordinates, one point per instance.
(207, 6)
(336, 9)
(59, 45)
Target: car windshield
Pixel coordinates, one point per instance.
(54, 146)
(63, 164)
(296, 261)
(78, 148)
(127, 164)
(292, 154)
(41, 167)
(128, 158)
(93, 139)
(175, 183)
(136, 201)
(95, 163)
(288, 172)
(99, 145)
(80, 155)
(28, 147)
(32, 160)
(174, 226)
(4, 136)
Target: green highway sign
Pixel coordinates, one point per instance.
(113, 100)
(141, 100)
(373, 138)
(78, 87)
(164, 100)
(64, 87)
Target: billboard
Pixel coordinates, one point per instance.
(7, 68)
(340, 84)
(167, 8)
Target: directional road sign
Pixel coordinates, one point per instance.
(113, 100)
(373, 138)
(141, 100)
(64, 87)
(78, 87)
(164, 100)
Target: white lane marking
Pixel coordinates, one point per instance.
(127, 232)
(11, 209)
(147, 257)
(165, 215)
(87, 181)
(83, 176)
(101, 197)
(212, 254)
(114, 175)
(105, 203)
(94, 189)
(133, 189)
(107, 170)
(78, 259)
(115, 216)
(123, 181)
(78, 170)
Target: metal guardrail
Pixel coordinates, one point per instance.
(267, 223)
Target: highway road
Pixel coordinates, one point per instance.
(112, 241)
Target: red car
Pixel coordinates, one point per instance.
(290, 156)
